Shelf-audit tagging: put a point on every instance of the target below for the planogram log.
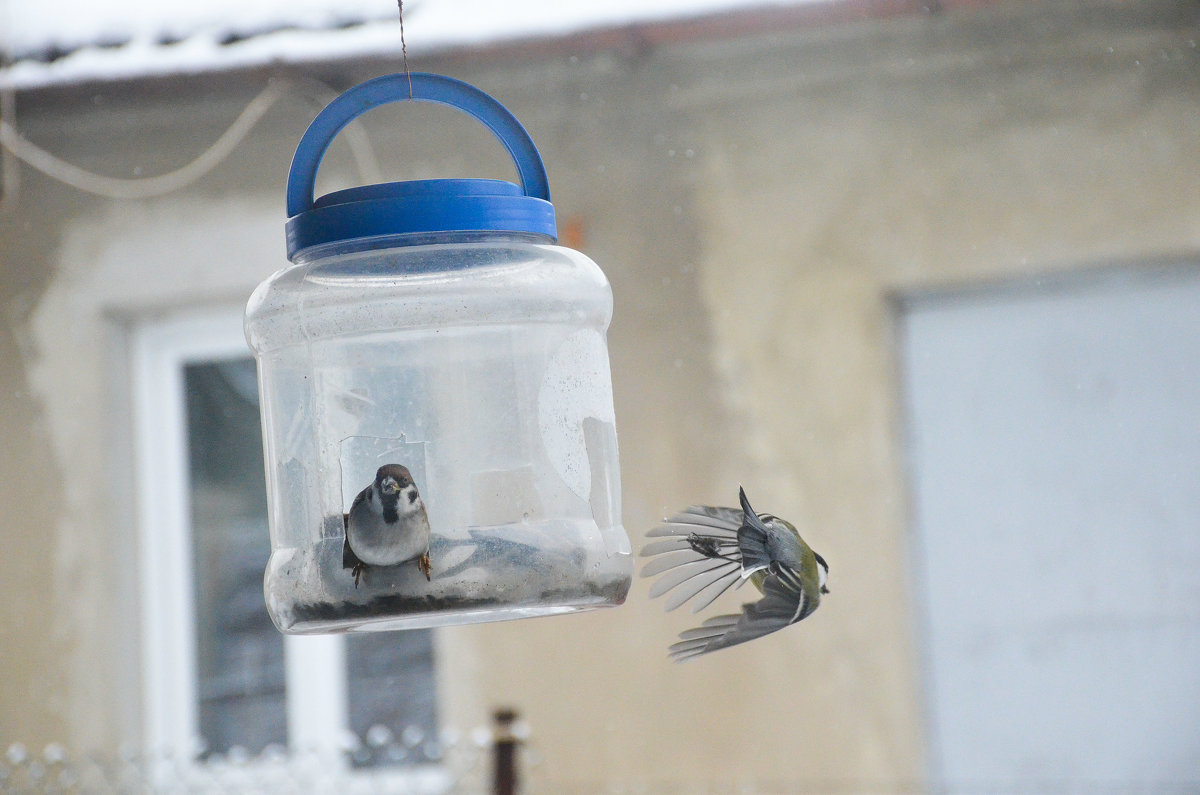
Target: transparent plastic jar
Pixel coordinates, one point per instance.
(435, 325)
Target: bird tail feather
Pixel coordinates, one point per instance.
(752, 539)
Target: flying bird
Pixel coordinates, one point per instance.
(387, 524)
(705, 551)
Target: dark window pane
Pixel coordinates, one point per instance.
(239, 653)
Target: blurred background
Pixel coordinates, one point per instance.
(923, 276)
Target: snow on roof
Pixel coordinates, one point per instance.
(82, 40)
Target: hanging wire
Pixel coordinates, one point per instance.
(404, 48)
(12, 142)
(145, 187)
(10, 178)
(354, 133)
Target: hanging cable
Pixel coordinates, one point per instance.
(404, 47)
(10, 178)
(355, 134)
(144, 187)
(12, 142)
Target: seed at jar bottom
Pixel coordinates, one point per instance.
(481, 573)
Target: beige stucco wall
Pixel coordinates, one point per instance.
(755, 202)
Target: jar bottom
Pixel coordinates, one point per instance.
(484, 574)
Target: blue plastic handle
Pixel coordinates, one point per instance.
(443, 90)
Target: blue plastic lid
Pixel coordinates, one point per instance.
(420, 206)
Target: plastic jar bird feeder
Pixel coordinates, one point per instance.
(435, 325)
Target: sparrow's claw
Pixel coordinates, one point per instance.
(424, 565)
(357, 571)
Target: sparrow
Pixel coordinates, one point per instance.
(387, 524)
(709, 550)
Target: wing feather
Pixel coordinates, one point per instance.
(724, 519)
(682, 574)
(780, 606)
(684, 529)
(710, 592)
(667, 545)
(727, 574)
(671, 560)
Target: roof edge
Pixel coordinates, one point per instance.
(367, 41)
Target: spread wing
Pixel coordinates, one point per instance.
(784, 602)
(349, 559)
(361, 497)
(698, 556)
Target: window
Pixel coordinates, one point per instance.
(241, 696)
(219, 679)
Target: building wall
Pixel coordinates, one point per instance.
(755, 200)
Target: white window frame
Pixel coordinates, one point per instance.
(318, 719)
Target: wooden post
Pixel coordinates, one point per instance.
(504, 753)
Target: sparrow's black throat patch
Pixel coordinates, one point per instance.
(390, 503)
